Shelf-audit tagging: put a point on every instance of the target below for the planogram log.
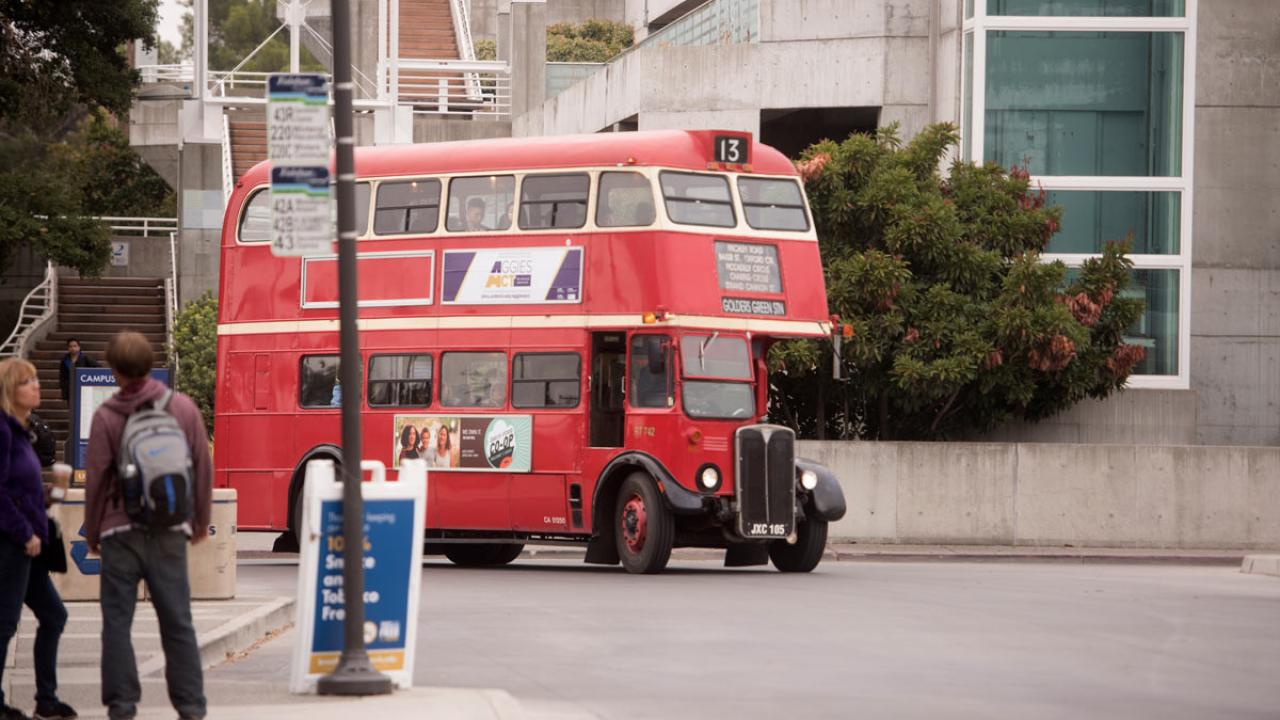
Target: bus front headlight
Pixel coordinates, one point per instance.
(808, 479)
(709, 478)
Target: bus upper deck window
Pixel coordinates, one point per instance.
(255, 221)
(554, 201)
(407, 207)
(626, 200)
(773, 204)
(481, 204)
(694, 199)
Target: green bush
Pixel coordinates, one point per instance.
(195, 346)
(592, 41)
(958, 325)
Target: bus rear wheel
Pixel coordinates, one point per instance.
(806, 553)
(483, 554)
(645, 528)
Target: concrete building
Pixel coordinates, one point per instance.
(1156, 117)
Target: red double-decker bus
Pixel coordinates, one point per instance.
(570, 331)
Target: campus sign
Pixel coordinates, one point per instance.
(89, 389)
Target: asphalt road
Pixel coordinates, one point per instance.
(854, 639)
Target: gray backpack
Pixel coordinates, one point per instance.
(154, 464)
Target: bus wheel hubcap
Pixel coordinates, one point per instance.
(635, 524)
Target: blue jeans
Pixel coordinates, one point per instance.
(31, 585)
(160, 558)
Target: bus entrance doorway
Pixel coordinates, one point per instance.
(608, 373)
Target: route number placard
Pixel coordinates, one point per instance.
(732, 149)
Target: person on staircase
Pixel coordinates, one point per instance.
(70, 361)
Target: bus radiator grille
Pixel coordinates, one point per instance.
(765, 473)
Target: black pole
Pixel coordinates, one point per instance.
(354, 674)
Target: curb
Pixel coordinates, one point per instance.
(230, 638)
(1261, 565)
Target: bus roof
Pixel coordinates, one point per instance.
(687, 149)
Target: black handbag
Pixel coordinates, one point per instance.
(53, 554)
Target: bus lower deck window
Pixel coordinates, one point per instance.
(541, 380)
(318, 382)
(473, 379)
(400, 381)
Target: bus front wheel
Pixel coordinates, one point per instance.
(644, 527)
(806, 553)
(481, 554)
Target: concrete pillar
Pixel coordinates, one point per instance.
(503, 40)
(528, 55)
(364, 47)
(200, 211)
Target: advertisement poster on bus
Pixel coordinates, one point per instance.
(465, 443)
(519, 276)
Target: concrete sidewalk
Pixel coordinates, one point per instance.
(223, 627)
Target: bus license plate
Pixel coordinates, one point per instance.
(775, 530)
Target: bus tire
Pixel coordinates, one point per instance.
(483, 554)
(644, 528)
(806, 553)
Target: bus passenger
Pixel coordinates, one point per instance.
(475, 214)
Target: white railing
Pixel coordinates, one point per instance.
(442, 87)
(228, 174)
(139, 226)
(180, 72)
(38, 307)
(462, 29)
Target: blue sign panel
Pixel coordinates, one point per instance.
(388, 559)
(90, 387)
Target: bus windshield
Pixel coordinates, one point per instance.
(726, 359)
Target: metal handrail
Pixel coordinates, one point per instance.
(171, 72)
(228, 175)
(144, 226)
(461, 12)
(38, 307)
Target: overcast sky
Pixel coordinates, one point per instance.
(170, 21)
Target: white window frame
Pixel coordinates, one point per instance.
(975, 30)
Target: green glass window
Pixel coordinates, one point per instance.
(1085, 103)
(1090, 219)
(968, 9)
(1090, 8)
(1157, 330)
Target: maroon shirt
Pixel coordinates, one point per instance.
(104, 505)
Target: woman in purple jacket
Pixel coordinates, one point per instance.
(23, 530)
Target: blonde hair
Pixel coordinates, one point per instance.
(13, 372)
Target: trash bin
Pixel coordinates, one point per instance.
(211, 565)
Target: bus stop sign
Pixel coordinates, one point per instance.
(298, 147)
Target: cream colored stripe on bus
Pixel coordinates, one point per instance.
(500, 322)
(740, 229)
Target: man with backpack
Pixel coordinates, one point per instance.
(148, 492)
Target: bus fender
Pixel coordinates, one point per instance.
(826, 501)
(680, 500)
(601, 548)
(300, 474)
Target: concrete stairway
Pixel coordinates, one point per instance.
(91, 311)
(248, 132)
(426, 33)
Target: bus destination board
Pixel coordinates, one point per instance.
(748, 267)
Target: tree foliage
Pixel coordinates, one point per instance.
(195, 344)
(236, 29)
(958, 325)
(58, 62)
(592, 41)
